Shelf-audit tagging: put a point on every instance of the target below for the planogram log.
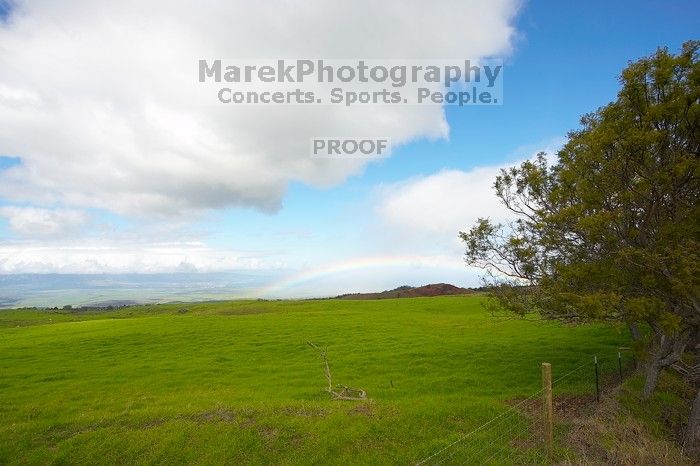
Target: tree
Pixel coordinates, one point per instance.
(611, 230)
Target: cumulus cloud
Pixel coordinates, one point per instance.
(435, 208)
(36, 222)
(97, 98)
(430, 210)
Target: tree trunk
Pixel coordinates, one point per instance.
(691, 442)
(634, 331)
(669, 351)
(652, 377)
(636, 337)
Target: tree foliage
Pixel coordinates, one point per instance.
(611, 230)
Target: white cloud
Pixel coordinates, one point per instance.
(426, 213)
(36, 222)
(431, 210)
(97, 97)
(109, 256)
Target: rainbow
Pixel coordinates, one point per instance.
(361, 263)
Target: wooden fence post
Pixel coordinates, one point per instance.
(547, 407)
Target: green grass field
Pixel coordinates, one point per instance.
(236, 382)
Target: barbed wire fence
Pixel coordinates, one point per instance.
(521, 433)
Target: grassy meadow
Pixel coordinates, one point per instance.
(236, 383)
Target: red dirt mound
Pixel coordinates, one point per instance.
(435, 289)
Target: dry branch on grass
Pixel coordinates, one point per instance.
(339, 392)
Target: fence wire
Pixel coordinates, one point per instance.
(516, 436)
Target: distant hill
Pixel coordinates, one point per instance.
(435, 289)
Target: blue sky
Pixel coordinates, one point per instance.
(562, 60)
